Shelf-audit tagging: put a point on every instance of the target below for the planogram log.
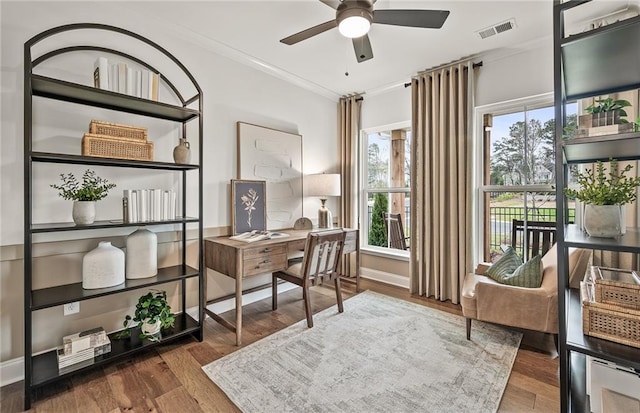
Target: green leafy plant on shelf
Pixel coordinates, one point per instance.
(609, 105)
(599, 187)
(92, 188)
(151, 309)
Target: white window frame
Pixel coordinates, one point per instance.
(496, 109)
(363, 191)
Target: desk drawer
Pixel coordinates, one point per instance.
(266, 263)
(264, 251)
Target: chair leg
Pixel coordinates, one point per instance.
(555, 341)
(307, 305)
(468, 328)
(339, 295)
(274, 292)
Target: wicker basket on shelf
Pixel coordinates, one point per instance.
(607, 321)
(615, 286)
(103, 146)
(117, 130)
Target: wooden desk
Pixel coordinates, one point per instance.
(238, 260)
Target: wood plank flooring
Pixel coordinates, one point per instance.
(170, 379)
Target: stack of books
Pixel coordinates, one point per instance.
(118, 77)
(144, 205)
(80, 349)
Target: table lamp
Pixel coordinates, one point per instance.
(323, 185)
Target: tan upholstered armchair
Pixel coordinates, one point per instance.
(529, 308)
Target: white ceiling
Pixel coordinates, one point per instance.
(250, 31)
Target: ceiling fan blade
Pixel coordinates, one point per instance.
(332, 3)
(305, 34)
(431, 19)
(362, 47)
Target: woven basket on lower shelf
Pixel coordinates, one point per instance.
(624, 295)
(102, 146)
(117, 130)
(609, 322)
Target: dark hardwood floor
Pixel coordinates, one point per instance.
(170, 379)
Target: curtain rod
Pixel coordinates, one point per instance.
(479, 64)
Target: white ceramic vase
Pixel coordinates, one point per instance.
(142, 254)
(84, 212)
(603, 221)
(103, 267)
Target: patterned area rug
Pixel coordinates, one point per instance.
(381, 355)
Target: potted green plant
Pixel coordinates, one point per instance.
(603, 194)
(83, 194)
(605, 112)
(152, 314)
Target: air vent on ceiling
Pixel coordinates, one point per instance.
(497, 28)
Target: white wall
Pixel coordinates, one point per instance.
(232, 92)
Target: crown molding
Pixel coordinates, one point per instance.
(222, 49)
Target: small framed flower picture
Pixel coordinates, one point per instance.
(248, 206)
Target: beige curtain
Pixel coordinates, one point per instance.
(441, 181)
(349, 125)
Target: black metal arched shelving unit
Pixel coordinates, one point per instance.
(42, 369)
(592, 63)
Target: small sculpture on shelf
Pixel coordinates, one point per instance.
(84, 195)
(152, 314)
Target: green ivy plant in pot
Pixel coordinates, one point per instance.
(152, 314)
(83, 194)
(603, 194)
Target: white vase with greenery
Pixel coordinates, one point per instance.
(604, 193)
(84, 194)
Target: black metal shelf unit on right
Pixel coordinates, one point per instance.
(596, 62)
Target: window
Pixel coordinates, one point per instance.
(518, 172)
(385, 189)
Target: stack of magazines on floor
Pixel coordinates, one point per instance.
(80, 349)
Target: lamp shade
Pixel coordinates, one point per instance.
(322, 185)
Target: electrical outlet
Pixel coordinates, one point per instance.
(71, 308)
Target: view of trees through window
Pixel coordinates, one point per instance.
(521, 173)
(387, 173)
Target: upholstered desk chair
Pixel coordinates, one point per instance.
(321, 258)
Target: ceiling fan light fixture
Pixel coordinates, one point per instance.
(354, 26)
(354, 21)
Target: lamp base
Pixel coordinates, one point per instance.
(325, 218)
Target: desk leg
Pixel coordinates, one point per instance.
(238, 310)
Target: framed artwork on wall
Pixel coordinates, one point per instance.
(276, 157)
(248, 206)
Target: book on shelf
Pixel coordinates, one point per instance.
(255, 235)
(122, 78)
(101, 73)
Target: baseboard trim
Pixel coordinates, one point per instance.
(385, 277)
(11, 371)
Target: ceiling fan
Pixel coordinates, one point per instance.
(354, 17)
